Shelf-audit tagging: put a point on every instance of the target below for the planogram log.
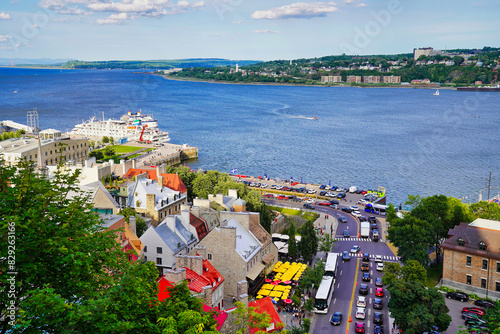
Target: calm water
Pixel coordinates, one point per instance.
(407, 140)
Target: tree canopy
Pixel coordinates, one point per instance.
(308, 244)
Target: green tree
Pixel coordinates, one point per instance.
(71, 276)
(97, 154)
(248, 317)
(458, 60)
(412, 271)
(105, 139)
(311, 279)
(140, 223)
(111, 140)
(292, 243)
(326, 243)
(109, 151)
(308, 244)
(485, 210)
(266, 217)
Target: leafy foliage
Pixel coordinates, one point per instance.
(292, 243)
(485, 210)
(326, 243)
(308, 244)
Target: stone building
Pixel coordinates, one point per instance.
(472, 258)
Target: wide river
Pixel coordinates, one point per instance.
(407, 140)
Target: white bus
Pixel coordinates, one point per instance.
(325, 292)
(331, 265)
(324, 295)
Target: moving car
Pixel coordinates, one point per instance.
(346, 256)
(363, 289)
(378, 318)
(379, 292)
(365, 266)
(378, 282)
(378, 258)
(346, 234)
(462, 296)
(343, 219)
(366, 257)
(348, 210)
(377, 304)
(355, 249)
(324, 203)
(308, 206)
(360, 313)
(336, 319)
(359, 327)
(378, 330)
(361, 302)
(380, 266)
(366, 277)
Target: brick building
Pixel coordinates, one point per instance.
(472, 258)
(331, 78)
(371, 79)
(353, 79)
(392, 79)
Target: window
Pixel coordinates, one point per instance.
(145, 249)
(159, 250)
(469, 260)
(50, 152)
(158, 260)
(485, 264)
(461, 242)
(482, 246)
(497, 286)
(469, 279)
(483, 283)
(209, 256)
(498, 267)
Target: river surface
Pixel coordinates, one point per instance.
(407, 140)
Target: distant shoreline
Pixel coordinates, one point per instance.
(168, 77)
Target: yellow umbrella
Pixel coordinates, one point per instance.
(259, 297)
(275, 294)
(279, 288)
(264, 292)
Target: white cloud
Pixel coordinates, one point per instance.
(214, 34)
(267, 31)
(4, 16)
(71, 11)
(238, 22)
(361, 4)
(113, 19)
(348, 2)
(183, 4)
(297, 10)
(5, 38)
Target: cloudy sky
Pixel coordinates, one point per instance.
(240, 29)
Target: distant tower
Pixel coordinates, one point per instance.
(12, 62)
(237, 68)
(290, 62)
(33, 121)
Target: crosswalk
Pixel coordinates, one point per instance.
(372, 256)
(355, 239)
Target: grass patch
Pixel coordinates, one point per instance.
(286, 212)
(310, 216)
(433, 275)
(121, 149)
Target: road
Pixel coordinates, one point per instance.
(349, 275)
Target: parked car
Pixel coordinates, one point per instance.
(472, 316)
(322, 193)
(359, 327)
(380, 266)
(379, 292)
(474, 323)
(485, 303)
(346, 256)
(263, 185)
(377, 303)
(474, 310)
(324, 203)
(365, 266)
(378, 318)
(462, 296)
(341, 195)
(361, 302)
(378, 282)
(343, 219)
(334, 201)
(346, 234)
(355, 249)
(363, 289)
(336, 319)
(366, 277)
(360, 313)
(322, 186)
(366, 257)
(308, 206)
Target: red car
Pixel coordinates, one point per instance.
(268, 195)
(379, 292)
(324, 203)
(359, 327)
(282, 197)
(474, 310)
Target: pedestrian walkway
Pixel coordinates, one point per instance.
(372, 256)
(353, 239)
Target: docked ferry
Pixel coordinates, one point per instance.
(132, 126)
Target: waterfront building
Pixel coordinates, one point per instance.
(54, 148)
(331, 78)
(392, 79)
(371, 79)
(471, 258)
(353, 79)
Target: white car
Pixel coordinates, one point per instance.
(380, 266)
(356, 214)
(360, 313)
(311, 191)
(354, 208)
(361, 301)
(328, 187)
(309, 201)
(363, 201)
(273, 186)
(378, 258)
(263, 185)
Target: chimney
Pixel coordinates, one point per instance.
(160, 181)
(132, 224)
(195, 210)
(133, 163)
(111, 162)
(232, 193)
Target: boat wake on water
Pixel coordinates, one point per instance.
(303, 117)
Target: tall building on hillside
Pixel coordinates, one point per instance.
(353, 79)
(392, 79)
(422, 52)
(331, 78)
(371, 79)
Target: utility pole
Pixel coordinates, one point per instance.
(489, 187)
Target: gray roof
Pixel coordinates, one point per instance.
(183, 231)
(169, 237)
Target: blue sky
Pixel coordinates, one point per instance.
(240, 29)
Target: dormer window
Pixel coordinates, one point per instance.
(482, 246)
(460, 242)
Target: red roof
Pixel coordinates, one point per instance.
(265, 305)
(199, 225)
(163, 284)
(171, 181)
(210, 277)
(220, 316)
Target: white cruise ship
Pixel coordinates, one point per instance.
(133, 126)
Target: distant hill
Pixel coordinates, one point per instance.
(38, 61)
(156, 64)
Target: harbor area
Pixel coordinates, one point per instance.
(168, 154)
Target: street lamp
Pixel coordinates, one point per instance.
(487, 278)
